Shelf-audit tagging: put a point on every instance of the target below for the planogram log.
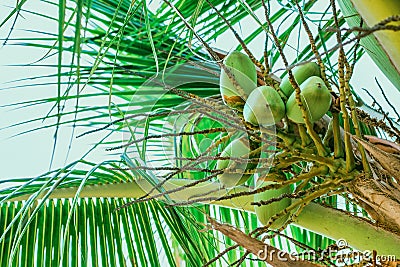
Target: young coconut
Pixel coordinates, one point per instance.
(300, 73)
(264, 107)
(236, 149)
(266, 212)
(245, 74)
(315, 97)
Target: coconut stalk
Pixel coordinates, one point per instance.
(335, 224)
(337, 140)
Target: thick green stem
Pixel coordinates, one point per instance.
(329, 222)
(337, 140)
(328, 134)
(305, 138)
(357, 232)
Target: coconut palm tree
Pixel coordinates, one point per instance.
(141, 81)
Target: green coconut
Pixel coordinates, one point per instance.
(236, 149)
(315, 97)
(244, 72)
(264, 107)
(300, 73)
(266, 212)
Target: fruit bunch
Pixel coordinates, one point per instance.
(265, 106)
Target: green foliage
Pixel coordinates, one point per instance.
(114, 48)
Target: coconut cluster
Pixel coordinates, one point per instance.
(265, 106)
